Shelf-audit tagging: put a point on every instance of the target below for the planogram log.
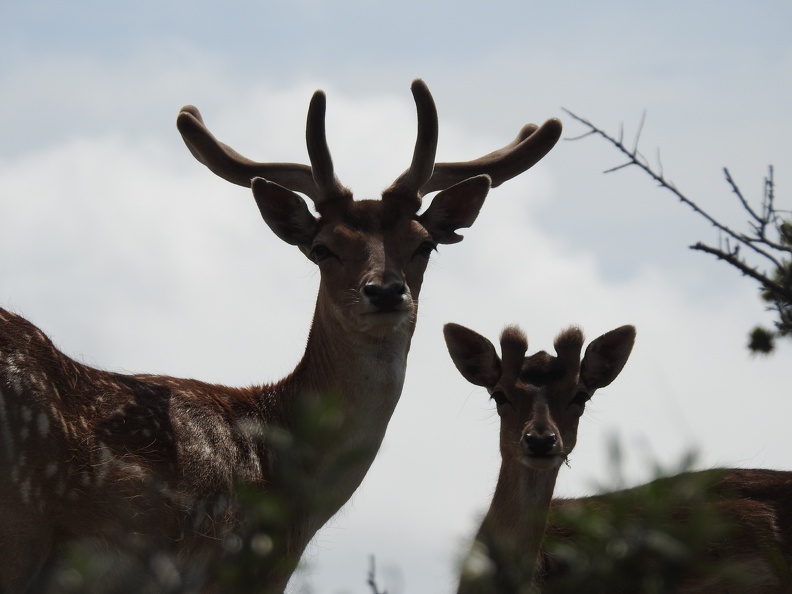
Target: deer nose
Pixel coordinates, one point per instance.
(387, 296)
(539, 444)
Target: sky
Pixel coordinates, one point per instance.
(134, 257)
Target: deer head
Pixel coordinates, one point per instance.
(540, 398)
(372, 253)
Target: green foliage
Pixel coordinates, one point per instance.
(761, 341)
(777, 293)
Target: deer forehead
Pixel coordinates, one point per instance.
(543, 379)
(543, 370)
(372, 227)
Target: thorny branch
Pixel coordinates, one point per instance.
(777, 284)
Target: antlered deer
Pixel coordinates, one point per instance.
(540, 400)
(149, 464)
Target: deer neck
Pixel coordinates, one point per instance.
(364, 369)
(514, 526)
(359, 376)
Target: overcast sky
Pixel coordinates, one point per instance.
(134, 257)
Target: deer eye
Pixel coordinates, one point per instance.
(321, 252)
(580, 398)
(425, 249)
(499, 397)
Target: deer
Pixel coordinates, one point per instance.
(150, 467)
(526, 534)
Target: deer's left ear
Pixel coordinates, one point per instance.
(455, 208)
(605, 357)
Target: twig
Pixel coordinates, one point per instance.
(732, 259)
(635, 158)
(372, 579)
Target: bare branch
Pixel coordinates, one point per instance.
(770, 235)
(638, 133)
(732, 258)
(622, 166)
(740, 197)
(634, 159)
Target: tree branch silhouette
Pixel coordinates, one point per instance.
(769, 238)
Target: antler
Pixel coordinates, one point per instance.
(410, 182)
(532, 143)
(318, 182)
(225, 162)
(319, 153)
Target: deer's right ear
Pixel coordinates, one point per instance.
(474, 356)
(285, 212)
(454, 208)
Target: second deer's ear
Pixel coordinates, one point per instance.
(474, 356)
(285, 212)
(605, 357)
(455, 208)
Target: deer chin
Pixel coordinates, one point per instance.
(373, 320)
(384, 322)
(542, 462)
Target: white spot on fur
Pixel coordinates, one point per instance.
(24, 491)
(43, 424)
(27, 414)
(105, 459)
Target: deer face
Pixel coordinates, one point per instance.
(372, 254)
(537, 400)
(540, 398)
(372, 266)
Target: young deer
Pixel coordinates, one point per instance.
(738, 521)
(151, 464)
(540, 400)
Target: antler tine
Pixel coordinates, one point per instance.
(225, 162)
(319, 153)
(425, 151)
(532, 143)
(422, 165)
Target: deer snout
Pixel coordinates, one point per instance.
(539, 444)
(385, 296)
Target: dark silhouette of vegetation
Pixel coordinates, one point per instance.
(766, 256)
(681, 530)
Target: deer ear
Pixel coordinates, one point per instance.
(285, 212)
(605, 357)
(454, 208)
(474, 356)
